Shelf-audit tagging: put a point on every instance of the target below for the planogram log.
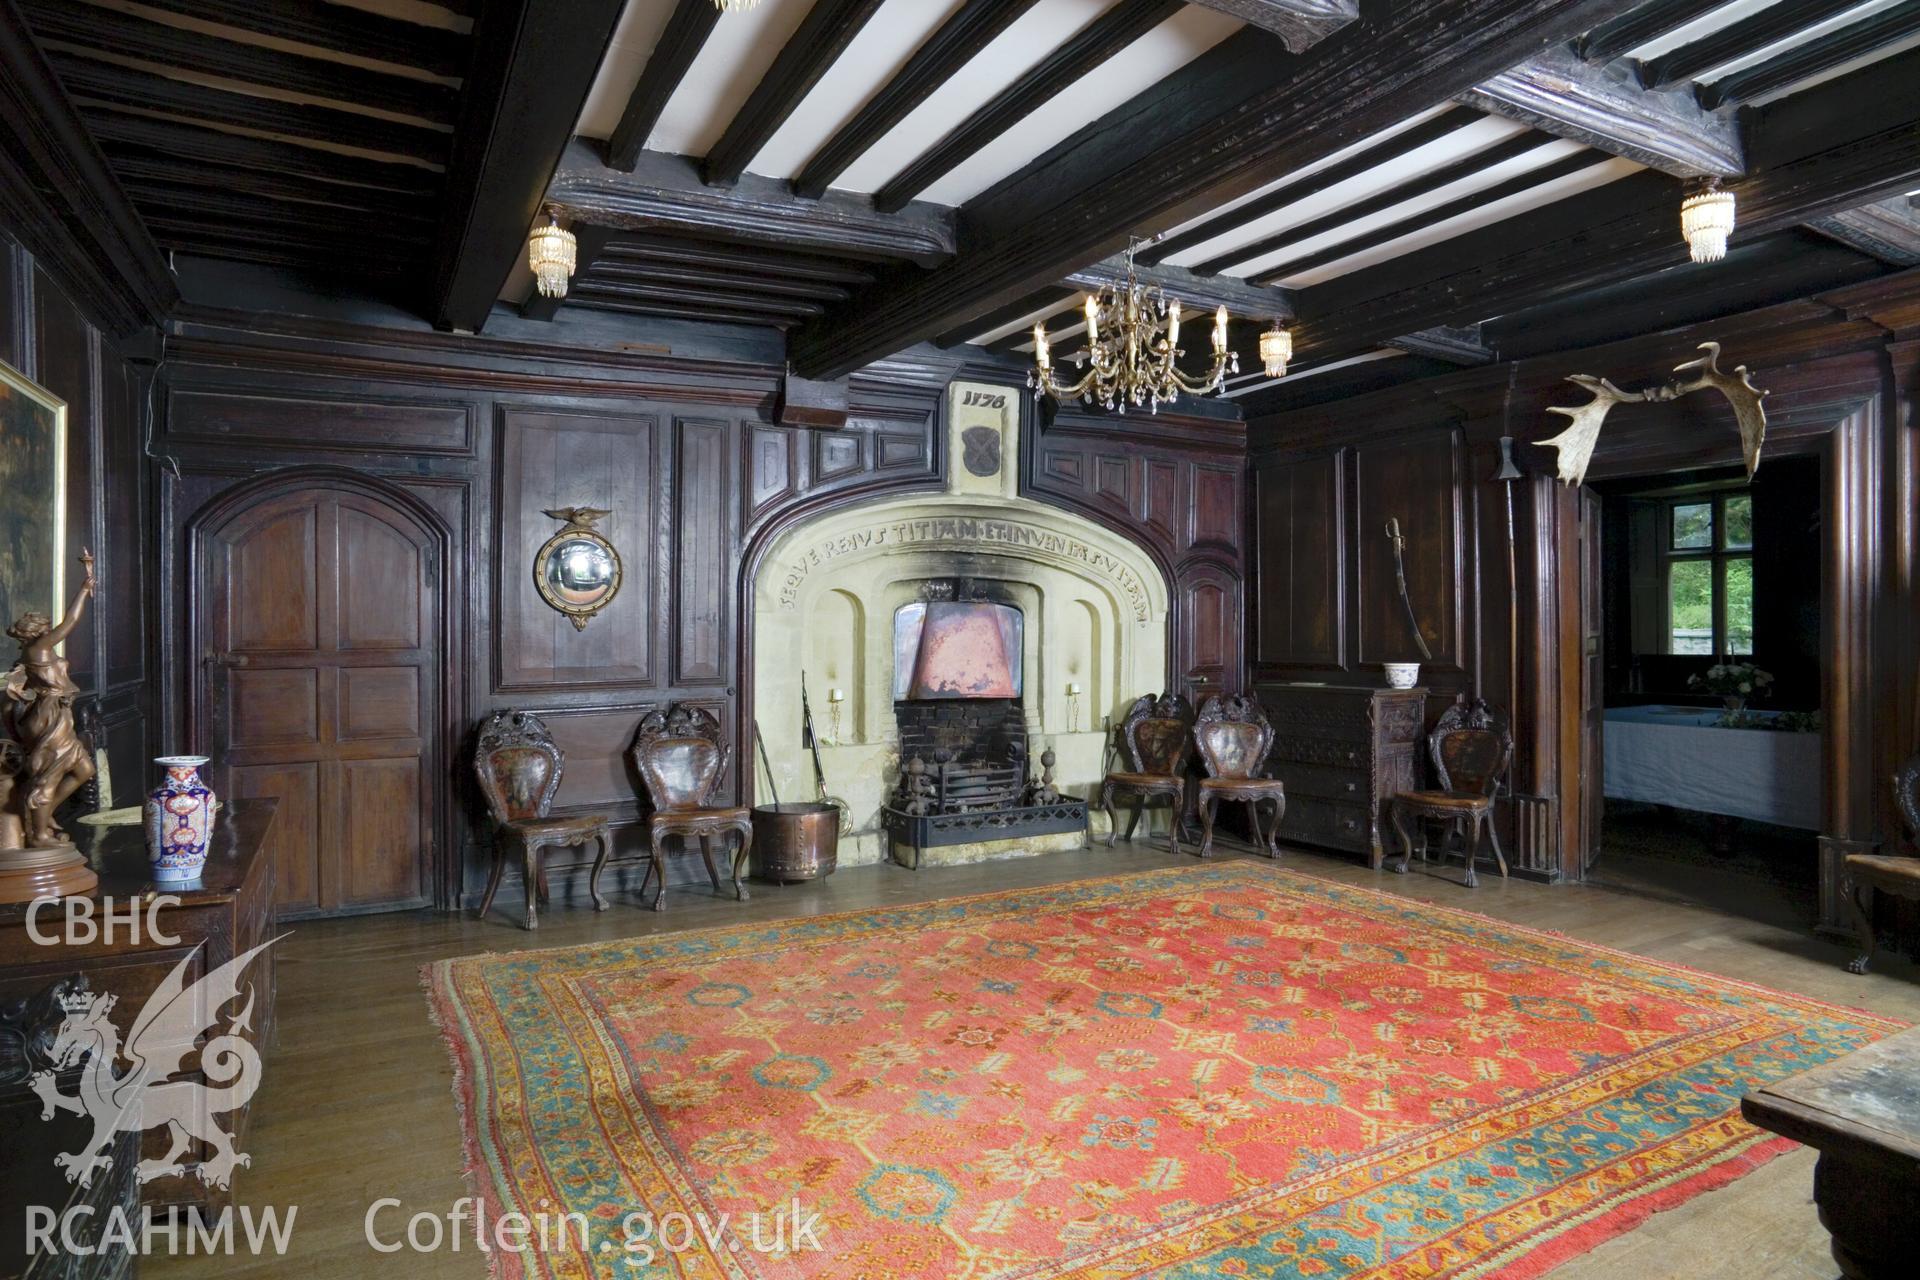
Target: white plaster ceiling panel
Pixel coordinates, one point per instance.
(1030, 38)
(870, 60)
(641, 23)
(1154, 56)
(1587, 179)
(729, 67)
(1458, 145)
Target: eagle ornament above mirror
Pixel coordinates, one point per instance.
(577, 571)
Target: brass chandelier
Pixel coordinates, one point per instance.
(1132, 351)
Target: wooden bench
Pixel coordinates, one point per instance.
(1862, 1113)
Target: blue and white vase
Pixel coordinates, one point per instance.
(179, 821)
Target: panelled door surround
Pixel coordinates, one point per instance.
(317, 634)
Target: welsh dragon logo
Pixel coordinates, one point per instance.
(145, 1096)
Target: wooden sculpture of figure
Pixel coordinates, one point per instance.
(50, 760)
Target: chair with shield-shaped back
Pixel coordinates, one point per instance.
(519, 767)
(1234, 738)
(681, 759)
(1156, 738)
(1471, 750)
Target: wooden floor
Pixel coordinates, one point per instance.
(357, 1105)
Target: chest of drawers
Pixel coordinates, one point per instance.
(1342, 750)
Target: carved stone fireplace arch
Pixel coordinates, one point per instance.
(1095, 608)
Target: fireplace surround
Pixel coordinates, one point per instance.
(1093, 610)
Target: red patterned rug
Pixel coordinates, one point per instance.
(1208, 1071)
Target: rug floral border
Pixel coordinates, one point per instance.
(1528, 1235)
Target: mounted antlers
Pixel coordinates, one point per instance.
(1575, 444)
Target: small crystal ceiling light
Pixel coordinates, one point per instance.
(550, 252)
(1706, 220)
(734, 6)
(1276, 348)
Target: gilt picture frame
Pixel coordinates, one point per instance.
(33, 497)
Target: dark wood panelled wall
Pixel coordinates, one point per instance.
(1843, 370)
(50, 338)
(465, 444)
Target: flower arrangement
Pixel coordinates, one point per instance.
(1733, 682)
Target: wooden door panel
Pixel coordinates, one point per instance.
(379, 702)
(272, 707)
(379, 835)
(1417, 483)
(293, 841)
(281, 554)
(1300, 614)
(320, 633)
(701, 582)
(380, 601)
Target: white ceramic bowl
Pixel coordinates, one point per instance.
(1403, 675)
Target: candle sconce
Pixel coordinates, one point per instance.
(835, 697)
(1073, 707)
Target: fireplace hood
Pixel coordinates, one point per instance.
(956, 649)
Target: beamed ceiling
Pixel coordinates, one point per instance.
(1411, 185)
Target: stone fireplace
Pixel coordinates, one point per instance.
(1079, 630)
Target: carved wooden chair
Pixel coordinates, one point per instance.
(1234, 738)
(1864, 874)
(680, 758)
(519, 769)
(1470, 753)
(1156, 738)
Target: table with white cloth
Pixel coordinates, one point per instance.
(1678, 756)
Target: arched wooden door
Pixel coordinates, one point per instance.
(317, 634)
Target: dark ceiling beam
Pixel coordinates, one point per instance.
(1019, 309)
(1300, 24)
(679, 44)
(1407, 140)
(1455, 344)
(204, 144)
(1197, 293)
(203, 200)
(1811, 155)
(126, 36)
(944, 52)
(1226, 124)
(533, 62)
(589, 242)
(1559, 94)
(628, 270)
(664, 194)
(1639, 25)
(1098, 41)
(736, 301)
(1889, 231)
(136, 165)
(750, 259)
(109, 82)
(1423, 184)
(336, 28)
(1813, 58)
(1565, 167)
(1736, 39)
(685, 311)
(823, 35)
(59, 196)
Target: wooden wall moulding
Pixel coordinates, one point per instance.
(1420, 484)
(273, 418)
(1300, 551)
(549, 460)
(704, 559)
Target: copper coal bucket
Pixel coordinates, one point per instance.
(796, 841)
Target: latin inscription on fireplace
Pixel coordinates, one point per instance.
(969, 533)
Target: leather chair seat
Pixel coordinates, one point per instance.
(1451, 801)
(1147, 780)
(1893, 873)
(1243, 786)
(690, 815)
(556, 829)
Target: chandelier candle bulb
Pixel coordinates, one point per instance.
(1093, 320)
(1220, 330)
(1042, 353)
(1173, 324)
